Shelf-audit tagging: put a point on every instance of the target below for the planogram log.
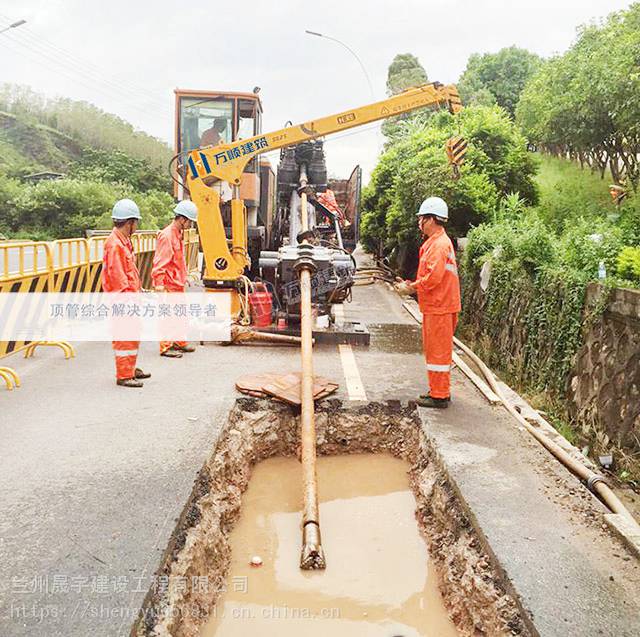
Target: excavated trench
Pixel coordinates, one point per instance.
(196, 572)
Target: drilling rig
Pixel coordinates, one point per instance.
(316, 273)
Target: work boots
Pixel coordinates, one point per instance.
(184, 348)
(129, 382)
(176, 351)
(171, 353)
(435, 403)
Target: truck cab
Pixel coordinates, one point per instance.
(208, 118)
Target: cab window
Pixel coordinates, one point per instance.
(246, 119)
(247, 126)
(205, 122)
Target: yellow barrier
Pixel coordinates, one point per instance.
(68, 265)
(25, 266)
(10, 377)
(94, 274)
(144, 245)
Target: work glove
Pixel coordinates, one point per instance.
(403, 288)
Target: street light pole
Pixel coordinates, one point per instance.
(355, 55)
(19, 23)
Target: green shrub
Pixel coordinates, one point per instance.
(524, 240)
(585, 244)
(68, 207)
(9, 191)
(114, 166)
(156, 209)
(628, 263)
(629, 221)
(63, 208)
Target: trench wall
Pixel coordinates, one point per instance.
(477, 595)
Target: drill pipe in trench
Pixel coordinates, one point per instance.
(312, 556)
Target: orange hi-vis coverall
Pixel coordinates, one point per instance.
(329, 201)
(120, 274)
(438, 290)
(169, 268)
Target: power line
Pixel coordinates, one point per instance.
(80, 77)
(77, 80)
(84, 67)
(109, 89)
(334, 138)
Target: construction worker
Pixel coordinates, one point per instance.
(169, 271)
(329, 201)
(213, 136)
(120, 274)
(438, 291)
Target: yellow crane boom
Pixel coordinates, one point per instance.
(226, 162)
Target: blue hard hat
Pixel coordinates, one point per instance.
(434, 206)
(125, 209)
(187, 209)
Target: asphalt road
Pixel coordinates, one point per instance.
(94, 477)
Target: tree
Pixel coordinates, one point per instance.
(404, 72)
(498, 77)
(415, 166)
(585, 104)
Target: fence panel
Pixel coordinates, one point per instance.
(69, 265)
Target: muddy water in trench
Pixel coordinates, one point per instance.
(379, 581)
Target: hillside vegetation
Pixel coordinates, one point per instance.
(102, 157)
(27, 147)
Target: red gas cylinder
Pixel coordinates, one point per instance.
(260, 302)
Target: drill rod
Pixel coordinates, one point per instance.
(312, 554)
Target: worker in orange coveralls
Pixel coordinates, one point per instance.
(120, 274)
(438, 291)
(169, 272)
(329, 201)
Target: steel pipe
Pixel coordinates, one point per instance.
(312, 556)
(593, 480)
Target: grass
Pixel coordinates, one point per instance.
(568, 192)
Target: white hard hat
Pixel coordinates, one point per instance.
(125, 209)
(187, 209)
(434, 206)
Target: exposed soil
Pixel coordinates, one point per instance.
(475, 593)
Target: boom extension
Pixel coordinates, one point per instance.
(226, 162)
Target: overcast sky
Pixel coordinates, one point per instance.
(127, 57)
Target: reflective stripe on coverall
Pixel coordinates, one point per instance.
(120, 274)
(439, 300)
(169, 268)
